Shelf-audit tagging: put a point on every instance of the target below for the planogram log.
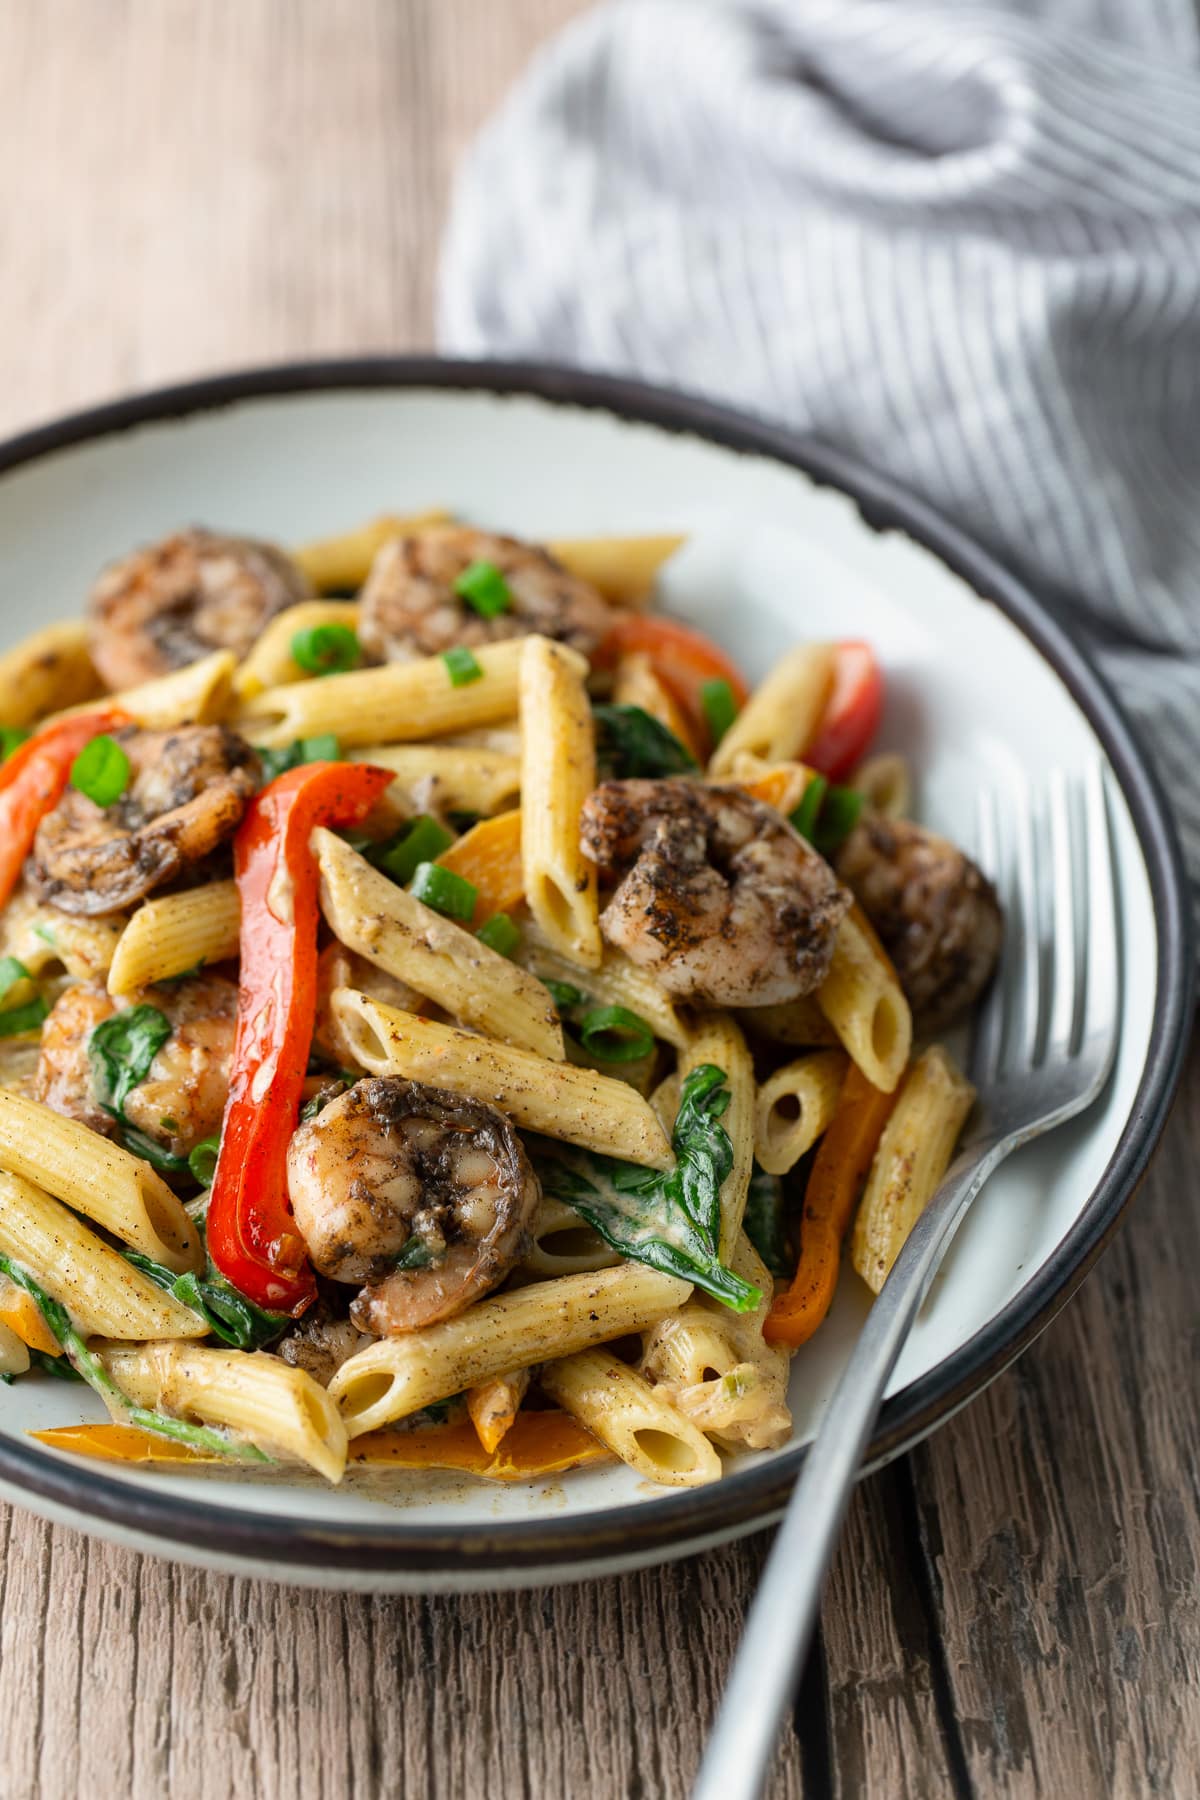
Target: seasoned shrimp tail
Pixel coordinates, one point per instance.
(424, 1196)
(715, 893)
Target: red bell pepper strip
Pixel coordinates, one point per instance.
(683, 660)
(851, 717)
(33, 779)
(251, 1237)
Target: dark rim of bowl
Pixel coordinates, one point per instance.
(752, 1494)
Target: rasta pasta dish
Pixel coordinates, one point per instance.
(446, 1020)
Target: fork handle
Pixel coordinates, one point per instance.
(781, 1620)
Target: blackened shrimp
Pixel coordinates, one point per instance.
(186, 795)
(180, 599)
(181, 1098)
(396, 1173)
(937, 915)
(410, 607)
(716, 893)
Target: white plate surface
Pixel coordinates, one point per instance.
(770, 559)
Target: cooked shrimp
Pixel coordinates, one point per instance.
(186, 795)
(410, 608)
(177, 600)
(396, 1169)
(716, 893)
(320, 1343)
(937, 915)
(180, 1100)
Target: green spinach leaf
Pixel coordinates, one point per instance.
(631, 742)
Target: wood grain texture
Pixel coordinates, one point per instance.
(192, 186)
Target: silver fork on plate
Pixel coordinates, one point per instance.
(1044, 1045)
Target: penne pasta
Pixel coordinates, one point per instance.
(105, 1183)
(563, 1245)
(794, 1107)
(449, 777)
(493, 1406)
(555, 1098)
(381, 921)
(885, 784)
(342, 562)
(270, 662)
(798, 1024)
(47, 672)
(782, 714)
(617, 982)
(862, 999)
(558, 772)
(913, 1155)
(624, 569)
(399, 1376)
(718, 1039)
(636, 1421)
(636, 683)
(103, 1293)
(393, 704)
(198, 694)
(180, 931)
(40, 936)
(279, 1409)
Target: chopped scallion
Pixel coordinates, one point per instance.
(203, 1160)
(484, 587)
(444, 891)
(461, 666)
(614, 1034)
(804, 817)
(422, 840)
(720, 706)
(499, 934)
(326, 649)
(101, 770)
(11, 738)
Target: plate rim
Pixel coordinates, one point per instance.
(751, 1496)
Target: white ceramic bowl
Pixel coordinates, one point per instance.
(785, 541)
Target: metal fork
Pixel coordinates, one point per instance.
(1043, 1049)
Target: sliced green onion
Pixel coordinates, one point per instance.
(12, 970)
(101, 770)
(614, 1034)
(416, 1254)
(11, 738)
(461, 666)
(720, 707)
(19, 1019)
(326, 649)
(500, 934)
(444, 891)
(804, 818)
(484, 587)
(203, 1160)
(838, 817)
(564, 996)
(323, 748)
(422, 840)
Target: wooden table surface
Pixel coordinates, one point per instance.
(1014, 1609)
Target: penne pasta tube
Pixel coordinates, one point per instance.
(394, 704)
(181, 931)
(39, 936)
(913, 1155)
(449, 777)
(554, 1098)
(198, 694)
(493, 1406)
(798, 1024)
(98, 1179)
(636, 683)
(386, 924)
(717, 1039)
(14, 1352)
(862, 999)
(794, 1107)
(103, 1293)
(269, 662)
(558, 772)
(279, 1409)
(885, 784)
(47, 672)
(782, 714)
(563, 1245)
(636, 1421)
(343, 561)
(617, 982)
(624, 569)
(399, 1376)
(665, 1101)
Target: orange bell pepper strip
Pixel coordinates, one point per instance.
(251, 1237)
(542, 1443)
(33, 779)
(489, 857)
(22, 1314)
(834, 1185)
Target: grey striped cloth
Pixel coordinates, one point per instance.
(960, 240)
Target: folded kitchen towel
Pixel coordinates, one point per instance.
(960, 240)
